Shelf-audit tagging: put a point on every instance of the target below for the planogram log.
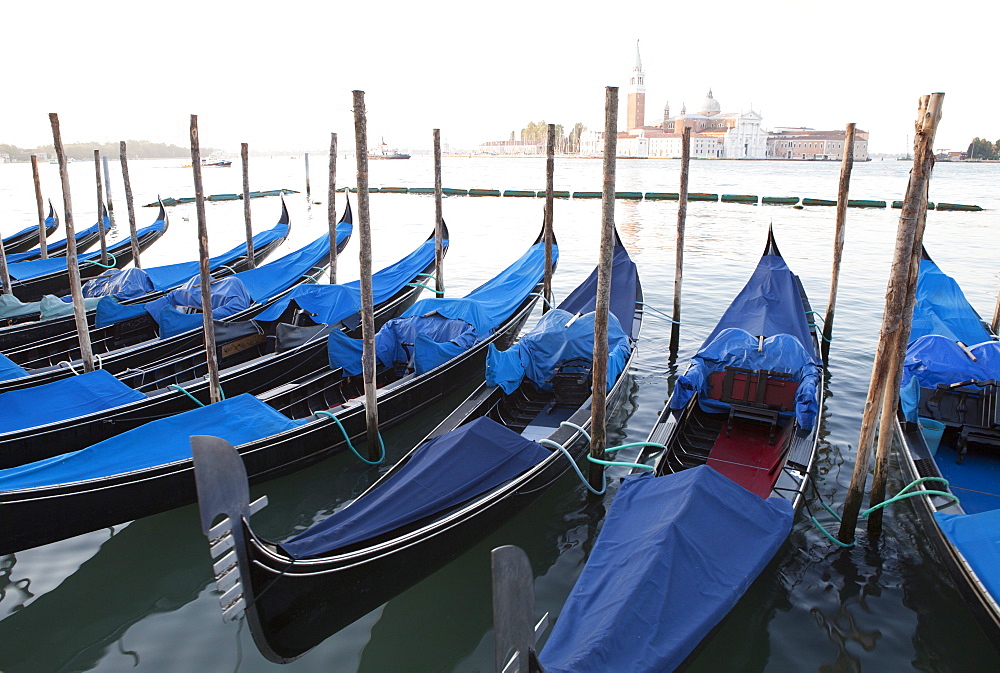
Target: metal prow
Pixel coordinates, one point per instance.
(514, 633)
(772, 247)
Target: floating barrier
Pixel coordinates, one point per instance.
(633, 196)
(864, 203)
(740, 198)
(519, 192)
(393, 190)
(698, 196)
(171, 201)
(818, 202)
(955, 206)
(587, 195)
(662, 196)
(779, 200)
(556, 194)
(484, 192)
(422, 190)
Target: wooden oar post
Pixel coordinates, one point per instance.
(598, 420)
(72, 263)
(130, 204)
(245, 156)
(100, 208)
(107, 192)
(883, 390)
(214, 393)
(40, 206)
(682, 204)
(331, 208)
(438, 219)
(367, 310)
(839, 236)
(550, 169)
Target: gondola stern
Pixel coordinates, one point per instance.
(284, 219)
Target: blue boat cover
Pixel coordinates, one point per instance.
(624, 278)
(941, 308)
(229, 297)
(66, 398)
(57, 246)
(674, 556)
(9, 369)
(768, 304)
(933, 359)
(484, 309)
(129, 283)
(238, 420)
(171, 275)
(537, 354)
(329, 304)
(33, 227)
(734, 347)
(977, 536)
(442, 474)
(41, 267)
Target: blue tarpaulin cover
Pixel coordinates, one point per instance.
(443, 473)
(33, 227)
(737, 348)
(42, 267)
(238, 420)
(674, 556)
(58, 246)
(330, 304)
(129, 283)
(933, 359)
(171, 275)
(66, 398)
(9, 369)
(941, 308)
(623, 283)
(977, 536)
(484, 308)
(229, 297)
(538, 352)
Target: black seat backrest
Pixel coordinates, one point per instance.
(571, 381)
(972, 404)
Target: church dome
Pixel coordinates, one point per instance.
(710, 106)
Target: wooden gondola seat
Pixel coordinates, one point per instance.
(970, 405)
(571, 381)
(754, 395)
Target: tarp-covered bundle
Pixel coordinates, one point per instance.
(442, 329)
(977, 536)
(9, 369)
(674, 556)
(121, 283)
(48, 307)
(229, 297)
(238, 420)
(66, 398)
(941, 308)
(443, 473)
(555, 339)
(329, 304)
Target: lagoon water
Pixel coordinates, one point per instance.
(140, 596)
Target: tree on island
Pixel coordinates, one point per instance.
(538, 132)
(981, 148)
(137, 149)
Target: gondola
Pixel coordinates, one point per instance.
(149, 469)
(31, 322)
(133, 336)
(477, 469)
(85, 240)
(76, 412)
(32, 280)
(949, 432)
(28, 238)
(682, 543)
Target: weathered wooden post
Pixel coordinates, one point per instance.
(214, 393)
(331, 208)
(40, 205)
(5, 287)
(130, 205)
(598, 411)
(846, 165)
(107, 192)
(245, 155)
(308, 190)
(550, 169)
(72, 263)
(438, 219)
(100, 208)
(887, 369)
(682, 204)
(367, 311)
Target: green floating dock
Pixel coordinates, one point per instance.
(452, 191)
(223, 197)
(484, 192)
(779, 200)
(818, 202)
(632, 196)
(930, 205)
(955, 206)
(739, 198)
(587, 195)
(422, 190)
(394, 190)
(700, 196)
(555, 194)
(519, 192)
(865, 203)
(662, 196)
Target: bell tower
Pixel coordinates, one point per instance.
(636, 94)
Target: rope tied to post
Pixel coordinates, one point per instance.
(350, 445)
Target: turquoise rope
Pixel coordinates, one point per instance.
(576, 468)
(619, 464)
(350, 445)
(656, 310)
(425, 287)
(181, 388)
(427, 275)
(904, 496)
(831, 538)
(114, 262)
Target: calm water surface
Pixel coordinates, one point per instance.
(139, 596)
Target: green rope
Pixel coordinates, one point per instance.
(831, 538)
(904, 496)
(427, 275)
(576, 468)
(181, 388)
(614, 463)
(350, 445)
(425, 287)
(114, 262)
(662, 313)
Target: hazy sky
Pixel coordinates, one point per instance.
(279, 75)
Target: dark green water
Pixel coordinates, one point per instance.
(139, 596)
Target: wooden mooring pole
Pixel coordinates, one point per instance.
(4, 272)
(72, 262)
(214, 392)
(331, 208)
(107, 192)
(308, 189)
(100, 208)
(245, 156)
(549, 238)
(438, 219)
(682, 205)
(367, 311)
(129, 204)
(40, 206)
(883, 390)
(598, 411)
(838, 238)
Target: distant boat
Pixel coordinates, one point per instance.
(383, 152)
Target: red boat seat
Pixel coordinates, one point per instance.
(758, 396)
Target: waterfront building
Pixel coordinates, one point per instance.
(809, 144)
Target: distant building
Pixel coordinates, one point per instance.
(512, 148)
(809, 144)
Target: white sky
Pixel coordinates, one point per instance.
(279, 75)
